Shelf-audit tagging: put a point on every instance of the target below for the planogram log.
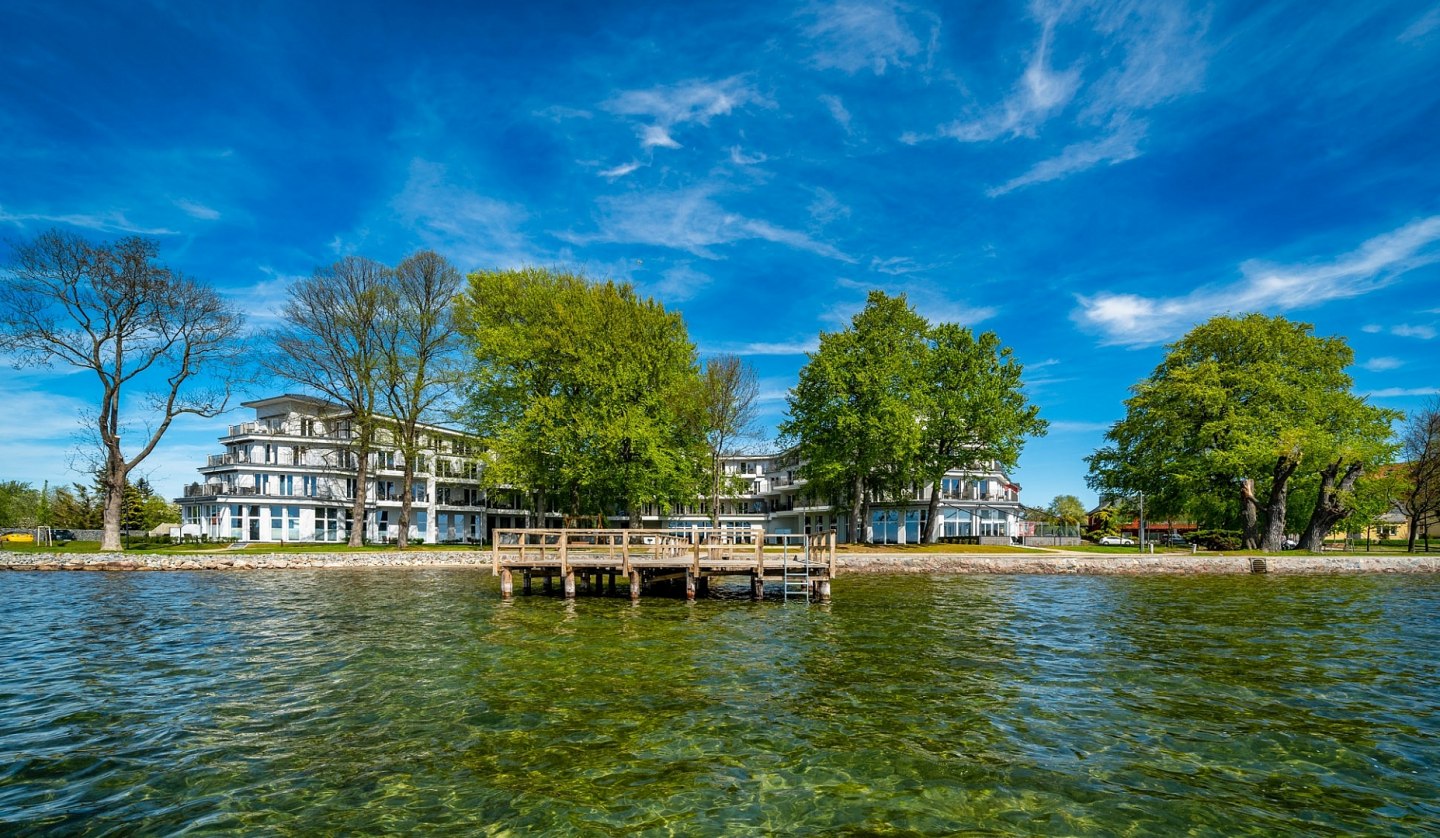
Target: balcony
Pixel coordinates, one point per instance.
(209, 490)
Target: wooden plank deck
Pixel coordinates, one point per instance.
(647, 557)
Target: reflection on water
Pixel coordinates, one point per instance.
(330, 701)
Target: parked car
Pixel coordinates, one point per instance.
(61, 536)
(1289, 544)
(1116, 541)
(17, 538)
(1172, 539)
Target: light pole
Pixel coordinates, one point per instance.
(1142, 522)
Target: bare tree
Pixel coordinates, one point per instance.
(330, 342)
(1420, 451)
(137, 325)
(419, 353)
(729, 392)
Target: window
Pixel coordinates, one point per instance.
(307, 486)
(277, 523)
(292, 516)
(286, 485)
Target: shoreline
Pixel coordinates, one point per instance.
(1051, 563)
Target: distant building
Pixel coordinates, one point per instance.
(289, 476)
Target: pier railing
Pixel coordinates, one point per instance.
(629, 549)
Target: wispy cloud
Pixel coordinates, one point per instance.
(1403, 392)
(113, 221)
(837, 110)
(852, 35)
(676, 284)
(690, 220)
(1382, 364)
(1118, 147)
(740, 158)
(621, 170)
(1423, 25)
(667, 107)
(475, 230)
(935, 303)
(1406, 330)
(1134, 320)
(197, 210)
(799, 347)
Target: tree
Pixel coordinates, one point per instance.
(1066, 509)
(729, 389)
(112, 310)
(19, 504)
(587, 394)
(1419, 497)
(1238, 407)
(329, 341)
(855, 413)
(418, 358)
(973, 409)
(78, 509)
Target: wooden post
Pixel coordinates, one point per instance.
(695, 564)
(759, 551)
(549, 582)
(634, 585)
(564, 551)
(494, 553)
(690, 585)
(823, 587)
(831, 539)
(757, 586)
(611, 584)
(569, 584)
(625, 552)
(507, 584)
(704, 586)
(526, 583)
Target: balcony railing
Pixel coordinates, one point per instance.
(207, 490)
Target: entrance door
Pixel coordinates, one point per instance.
(254, 523)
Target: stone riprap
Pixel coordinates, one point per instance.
(1048, 562)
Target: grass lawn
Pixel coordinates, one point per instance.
(860, 549)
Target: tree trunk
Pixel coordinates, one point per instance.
(114, 508)
(407, 483)
(933, 521)
(1250, 514)
(1275, 509)
(362, 476)
(1414, 530)
(1329, 504)
(857, 502)
(715, 492)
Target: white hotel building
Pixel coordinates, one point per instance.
(288, 476)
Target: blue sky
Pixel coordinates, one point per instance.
(1088, 180)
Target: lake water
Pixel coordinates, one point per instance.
(416, 701)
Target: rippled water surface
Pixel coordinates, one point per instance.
(416, 701)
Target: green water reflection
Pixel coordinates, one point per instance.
(416, 701)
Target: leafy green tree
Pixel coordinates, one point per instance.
(587, 394)
(19, 504)
(973, 411)
(1418, 495)
(856, 411)
(1066, 509)
(1238, 407)
(76, 510)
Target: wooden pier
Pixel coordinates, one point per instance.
(803, 565)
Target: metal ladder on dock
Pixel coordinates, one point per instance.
(795, 575)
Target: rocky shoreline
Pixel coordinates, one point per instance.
(879, 563)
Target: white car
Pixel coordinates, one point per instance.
(1116, 541)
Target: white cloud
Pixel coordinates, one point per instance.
(621, 170)
(1372, 329)
(689, 220)
(739, 158)
(197, 210)
(1382, 364)
(666, 107)
(897, 265)
(1064, 426)
(764, 348)
(1038, 94)
(1403, 392)
(1118, 147)
(113, 221)
(264, 300)
(1407, 331)
(837, 110)
(851, 35)
(653, 136)
(1134, 320)
(676, 284)
(935, 304)
(1424, 25)
(470, 228)
(826, 208)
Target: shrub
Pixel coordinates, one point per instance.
(1217, 539)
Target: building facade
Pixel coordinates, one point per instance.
(289, 476)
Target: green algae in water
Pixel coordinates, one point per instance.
(416, 701)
